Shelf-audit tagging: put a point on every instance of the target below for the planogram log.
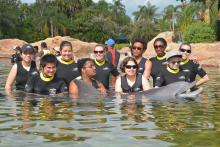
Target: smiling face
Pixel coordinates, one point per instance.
(174, 62)
(159, 48)
(186, 51)
(99, 53)
(137, 49)
(66, 53)
(49, 70)
(131, 68)
(89, 69)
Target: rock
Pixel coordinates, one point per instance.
(7, 45)
(80, 48)
(206, 53)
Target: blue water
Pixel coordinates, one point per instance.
(45, 121)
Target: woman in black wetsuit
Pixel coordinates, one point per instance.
(131, 81)
(46, 82)
(67, 67)
(191, 68)
(160, 45)
(21, 71)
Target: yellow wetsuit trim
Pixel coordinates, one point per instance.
(45, 78)
(161, 58)
(184, 62)
(100, 63)
(64, 62)
(174, 71)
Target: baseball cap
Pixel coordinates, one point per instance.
(173, 53)
(110, 42)
(27, 49)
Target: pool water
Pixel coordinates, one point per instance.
(27, 120)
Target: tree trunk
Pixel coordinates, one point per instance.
(51, 28)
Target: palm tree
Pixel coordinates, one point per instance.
(51, 21)
(147, 12)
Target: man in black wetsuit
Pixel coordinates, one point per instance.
(103, 68)
(46, 82)
(172, 73)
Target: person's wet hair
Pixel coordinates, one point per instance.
(48, 58)
(161, 40)
(82, 62)
(43, 44)
(65, 43)
(125, 62)
(140, 40)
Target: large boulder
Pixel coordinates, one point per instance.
(7, 45)
(206, 53)
(80, 48)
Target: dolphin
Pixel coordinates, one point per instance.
(177, 90)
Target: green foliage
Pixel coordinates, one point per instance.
(199, 32)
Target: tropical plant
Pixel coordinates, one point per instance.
(199, 32)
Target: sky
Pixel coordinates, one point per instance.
(132, 5)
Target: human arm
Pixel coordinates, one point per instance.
(101, 88)
(10, 80)
(145, 83)
(73, 90)
(118, 85)
(204, 77)
(202, 80)
(147, 71)
(115, 74)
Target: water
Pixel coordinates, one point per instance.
(44, 121)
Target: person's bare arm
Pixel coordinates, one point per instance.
(10, 80)
(202, 80)
(147, 71)
(118, 85)
(145, 83)
(73, 90)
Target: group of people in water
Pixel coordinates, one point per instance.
(57, 73)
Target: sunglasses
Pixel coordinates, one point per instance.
(158, 46)
(131, 66)
(185, 50)
(136, 48)
(175, 62)
(100, 52)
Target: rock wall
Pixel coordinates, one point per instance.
(207, 53)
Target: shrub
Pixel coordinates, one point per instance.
(199, 32)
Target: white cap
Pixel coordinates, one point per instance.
(173, 53)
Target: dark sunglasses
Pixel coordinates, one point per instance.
(136, 48)
(175, 62)
(185, 50)
(131, 66)
(100, 52)
(158, 46)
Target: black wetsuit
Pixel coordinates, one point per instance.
(37, 85)
(103, 73)
(23, 75)
(134, 88)
(67, 72)
(192, 69)
(157, 66)
(166, 77)
(141, 65)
